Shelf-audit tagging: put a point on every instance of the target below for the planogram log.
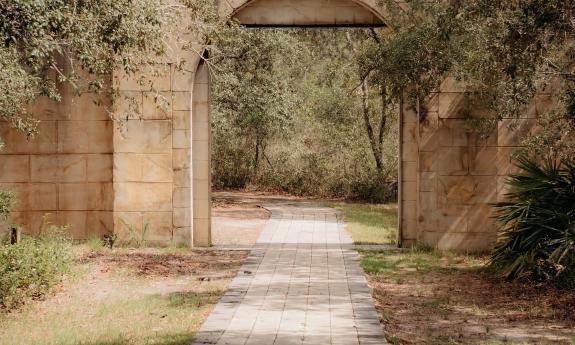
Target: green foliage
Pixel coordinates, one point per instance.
(50, 42)
(298, 125)
(7, 200)
(33, 267)
(538, 222)
(95, 244)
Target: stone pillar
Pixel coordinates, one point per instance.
(408, 174)
(201, 158)
(143, 154)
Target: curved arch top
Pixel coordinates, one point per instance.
(306, 13)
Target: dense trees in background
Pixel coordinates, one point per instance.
(293, 112)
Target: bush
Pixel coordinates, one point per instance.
(538, 222)
(33, 267)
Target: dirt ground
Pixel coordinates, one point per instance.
(459, 302)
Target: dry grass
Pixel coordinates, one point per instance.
(146, 296)
(428, 297)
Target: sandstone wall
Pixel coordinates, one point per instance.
(66, 170)
(451, 173)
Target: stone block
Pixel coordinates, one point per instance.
(428, 182)
(85, 196)
(147, 136)
(159, 227)
(201, 232)
(72, 168)
(460, 242)
(480, 219)
(133, 167)
(201, 112)
(409, 132)
(44, 142)
(85, 137)
(182, 159)
(182, 177)
(428, 161)
(452, 218)
(409, 191)
(201, 189)
(427, 201)
(409, 152)
(100, 168)
(89, 107)
(182, 217)
(453, 161)
(201, 208)
(453, 105)
(14, 168)
(409, 211)
(182, 197)
(430, 133)
(182, 236)
(409, 171)
(135, 196)
(129, 105)
(182, 119)
(201, 131)
(182, 80)
(33, 196)
(483, 160)
(157, 105)
(466, 190)
(201, 151)
(201, 170)
(182, 139)
(182, 100)
(427, 221)
(409, 229)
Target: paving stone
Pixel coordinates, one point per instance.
(302, 284)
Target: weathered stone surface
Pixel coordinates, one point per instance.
(85, 137)
(85, 196)
(140, 196)
(149, 136)
(14, 168)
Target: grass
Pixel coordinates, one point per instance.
(427, 296)
(396, 265)
(156, 319)
(126, 297)
(370, 223)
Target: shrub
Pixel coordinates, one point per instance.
(33, 267)
(538, 222)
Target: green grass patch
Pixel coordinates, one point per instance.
(370, 223)
(396, 265)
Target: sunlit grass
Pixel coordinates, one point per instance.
(170, 319)
(370, 223)
(397, 265)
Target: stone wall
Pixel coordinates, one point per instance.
(64, 171)
(451, 173)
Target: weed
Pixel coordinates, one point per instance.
(95, 244)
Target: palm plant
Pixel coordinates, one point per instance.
(537, 221)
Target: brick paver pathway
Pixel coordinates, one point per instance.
(302, 284)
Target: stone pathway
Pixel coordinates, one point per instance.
(302, 284)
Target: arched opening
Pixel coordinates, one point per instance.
(307, 13)
(200, 157)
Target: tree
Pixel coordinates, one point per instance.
(47, 43)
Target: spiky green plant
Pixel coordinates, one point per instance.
(537, 221)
